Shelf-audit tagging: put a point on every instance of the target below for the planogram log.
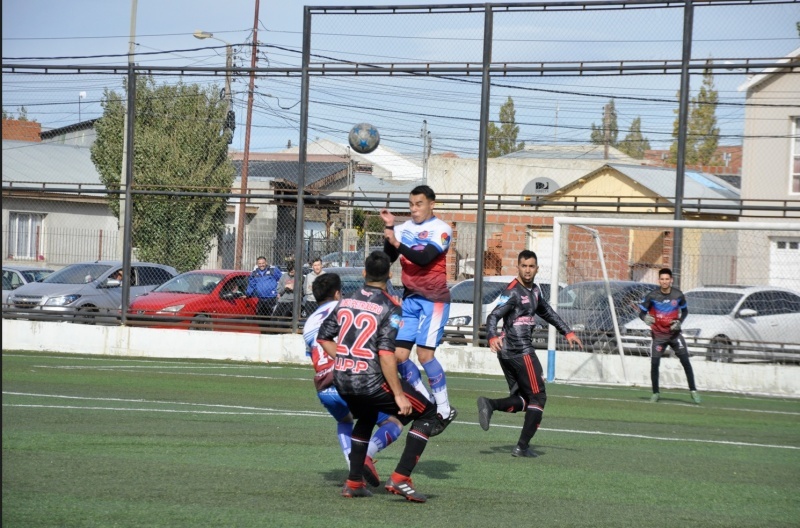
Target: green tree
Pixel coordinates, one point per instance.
(702, 132)
(598, 136)
(634, 144)
(503, 139)
(180, 144)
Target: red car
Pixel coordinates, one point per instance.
(199, 300)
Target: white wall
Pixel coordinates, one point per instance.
(571, 367)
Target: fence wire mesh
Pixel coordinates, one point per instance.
(582, 120)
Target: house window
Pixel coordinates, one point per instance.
(24, 235)
(796, 156)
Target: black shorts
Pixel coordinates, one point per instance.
(367, 406)
(523, 374)
(676, 341)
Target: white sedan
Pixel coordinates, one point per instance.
(727, 323)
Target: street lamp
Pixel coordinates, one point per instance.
(240, 206)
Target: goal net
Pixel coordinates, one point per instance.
(740, 279)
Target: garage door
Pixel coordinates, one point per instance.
(784, 261)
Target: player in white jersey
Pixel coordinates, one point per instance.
(327, 291)
(421, 244)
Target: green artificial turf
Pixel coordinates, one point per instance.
(108, 441)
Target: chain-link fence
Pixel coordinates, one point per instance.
(513, 114)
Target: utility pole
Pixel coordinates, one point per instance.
(426, 149)
(606, 129)
(237, 258)
(122, 178)
(555, 132)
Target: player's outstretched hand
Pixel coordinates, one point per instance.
(403, 403)
(496, 344)
(649, 320)
(573, 340)
(675, 325)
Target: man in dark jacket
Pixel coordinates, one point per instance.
(518, 305)
(263, 283)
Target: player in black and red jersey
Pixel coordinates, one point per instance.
(365, 326)
(517, 306)
(663, 310)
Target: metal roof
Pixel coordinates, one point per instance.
(569, 152)
(288, 170)
(29, 162)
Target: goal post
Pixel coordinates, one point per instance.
(612, 251)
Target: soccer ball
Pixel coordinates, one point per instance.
(364, 138)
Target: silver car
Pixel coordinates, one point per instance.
(87, 287)
(15, 276)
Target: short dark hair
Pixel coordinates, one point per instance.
(316, 259)
(325, 287)
(261, 258)
(526, 254)
(376, 267)
(423, 189)
(665, 271)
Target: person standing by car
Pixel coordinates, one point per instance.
(663, 310)
(263, 284)
(286, 287)
(308, 281)
(518, 305)
(421, 244)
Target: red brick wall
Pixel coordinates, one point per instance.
(14, 129)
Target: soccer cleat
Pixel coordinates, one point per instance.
(655, 397)
(370, 473)
(355, 492)
(405, 489)
(524, 453)
(696, 396)
(484, 412)
(441, 423)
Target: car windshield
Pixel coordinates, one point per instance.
(191, 283)
(464, 291)
(77, 274)
(36, 275)
(712, 302)
(593, 296)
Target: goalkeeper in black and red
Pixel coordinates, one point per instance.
(663, 310)
(517, 307)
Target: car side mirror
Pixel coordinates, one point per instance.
(112, 283)
(747, 312)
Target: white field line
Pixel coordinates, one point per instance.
(184, 366)
(242, 410)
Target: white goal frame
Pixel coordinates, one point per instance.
(583, 222)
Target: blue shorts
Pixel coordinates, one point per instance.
(423, 321)
(337, 407)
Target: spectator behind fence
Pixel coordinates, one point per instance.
(263, 284)
(286, 288)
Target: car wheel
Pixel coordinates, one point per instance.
(86, 314)
(720, 350)
(200, 322)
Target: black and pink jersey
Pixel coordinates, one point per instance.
(364, 326)
(428, 281)
(665, 308)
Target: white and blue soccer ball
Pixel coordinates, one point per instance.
(364, 138)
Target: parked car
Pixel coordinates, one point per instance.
(200, 300)
(584, 307)
(15, 276)
(728, 323)
(87, 288)
(342, 259)
(352, 280)
(458, 329)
